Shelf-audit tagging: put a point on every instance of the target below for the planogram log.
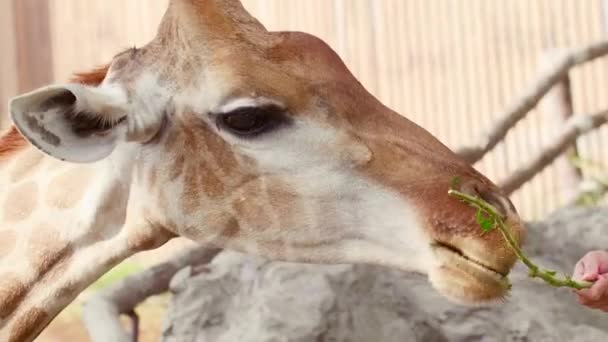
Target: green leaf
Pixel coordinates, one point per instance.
(479, 217)
(455, 182)
(484, 221)
(487, 226)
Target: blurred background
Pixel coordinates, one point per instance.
(450, 66)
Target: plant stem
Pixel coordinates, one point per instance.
(535, 271)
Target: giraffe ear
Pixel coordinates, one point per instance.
(71, 122)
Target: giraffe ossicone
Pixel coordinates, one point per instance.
(230, 135)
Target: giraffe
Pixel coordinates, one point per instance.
(229, 135)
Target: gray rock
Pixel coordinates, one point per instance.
(248, 299)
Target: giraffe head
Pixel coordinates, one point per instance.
(264, 142)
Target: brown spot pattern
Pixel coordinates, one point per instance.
(21, 202)
(171, 140)
(8, 241)
(67, 189)
(146, 239)
(252, 212)
(12, 292)
(177, 168)
(222, 154)
(191, 143)
(47, 251)
(29, 325)
(26, 164)
(191, 196)
(152, 176)
(210, 184)
(283, 201)
(68, 291)
(231, 230)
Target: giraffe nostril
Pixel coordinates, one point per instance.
(503, 205)
(498, 201)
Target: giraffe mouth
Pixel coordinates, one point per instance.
(466, 280)
(458, 253)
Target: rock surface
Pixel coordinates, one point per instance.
(248, 299)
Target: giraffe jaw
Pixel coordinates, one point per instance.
(466, 280)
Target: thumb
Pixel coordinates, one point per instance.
(590, 275)
(591, 267)
(579, 270)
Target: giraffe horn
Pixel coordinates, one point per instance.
(210, 19)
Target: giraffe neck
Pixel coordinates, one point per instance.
(61, 227)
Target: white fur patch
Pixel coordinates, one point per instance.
(245, 102)
(362, 221)
(147, 106)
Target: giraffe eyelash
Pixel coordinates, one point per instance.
(252, 121)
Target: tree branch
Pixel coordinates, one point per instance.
(102, 312)
(497, 222)
(575, 127)
(591, 193)
(530, 98)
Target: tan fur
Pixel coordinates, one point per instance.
(252, 211)
(110, 212)
(153, 177)
(29, 325)
(25, 164)
(12, 292)
(20, 202)
(68, 188)
(11, 142)
(47, 255)
(149, 238)
(46, 249)
(8, 241)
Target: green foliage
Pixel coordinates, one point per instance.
(455, 183)
(484, 221)
(116, 274)
(595, 172)
(489, 219)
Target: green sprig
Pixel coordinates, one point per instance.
(489, 219)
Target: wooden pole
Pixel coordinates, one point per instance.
(557, 109)
(8, 62)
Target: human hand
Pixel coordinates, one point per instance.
(593, 267)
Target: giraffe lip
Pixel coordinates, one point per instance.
(460, 254)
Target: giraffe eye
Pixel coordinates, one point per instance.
(251, 121)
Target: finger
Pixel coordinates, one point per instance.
(586, 300)
(579, 270)
(583, 300)
(599, 289)
(592, 266)
(589, 295)
(603, 257)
